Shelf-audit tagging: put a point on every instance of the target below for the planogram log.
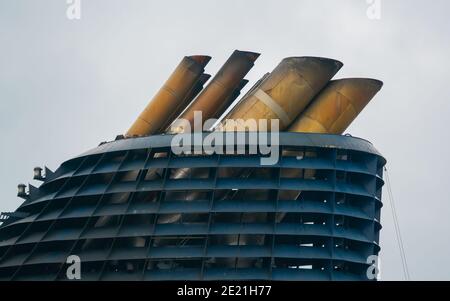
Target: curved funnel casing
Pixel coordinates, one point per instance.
(284, 93)
(334, 109)
(215, 97)
(171, 98)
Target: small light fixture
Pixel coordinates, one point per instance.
(38, 174)
(21, 193)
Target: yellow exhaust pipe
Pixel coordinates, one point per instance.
(171, 98)
(284, 93)
(334, 109)
(215, 97)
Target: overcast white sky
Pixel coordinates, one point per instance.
(67, 85)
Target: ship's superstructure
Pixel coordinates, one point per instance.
(134, 209)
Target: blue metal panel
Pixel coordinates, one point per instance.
(213, 228)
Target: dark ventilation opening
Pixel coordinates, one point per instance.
(37, 272)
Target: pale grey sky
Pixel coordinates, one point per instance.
(67, 85)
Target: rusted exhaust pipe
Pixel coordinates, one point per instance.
(171, 98)
(335, 108)
(284, 93)
(214, 99)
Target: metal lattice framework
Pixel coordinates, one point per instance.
(319, 223)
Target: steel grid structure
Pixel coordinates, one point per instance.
(102, 207)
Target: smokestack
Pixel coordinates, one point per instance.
(214, 99)
(290, 87)
(171, 98)
(284, 93)
(334, 109)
